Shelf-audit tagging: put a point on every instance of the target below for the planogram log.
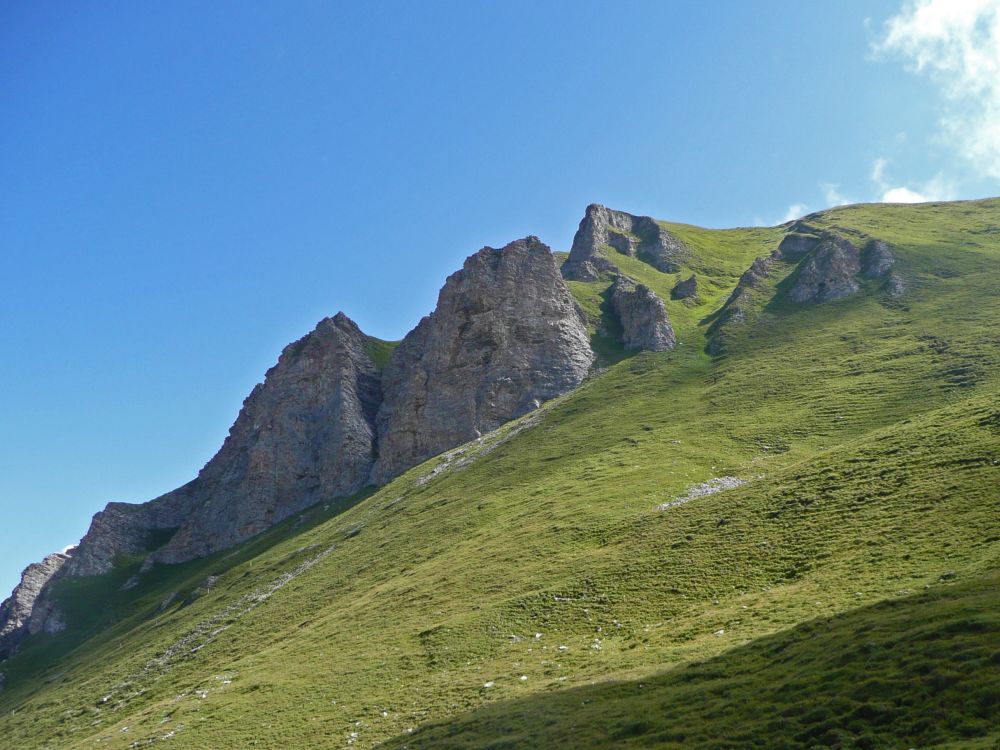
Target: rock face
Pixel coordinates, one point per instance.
(685, 289)
(505, 336)
(643, 316)
(637, 236)
(16, 611)
(304, 434)
(831, 269)
(876, 259)
(828, 273)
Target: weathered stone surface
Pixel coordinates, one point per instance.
(130, 529)
(645, 324)
(828, 272)
(876, 259)
(685, 289)
(638, 236)
(16, 611)
(306, 433)
(505, 336)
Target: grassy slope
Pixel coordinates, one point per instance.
(869, 429)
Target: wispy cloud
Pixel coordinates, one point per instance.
(957, 44)
(832, 195)
(794, 211)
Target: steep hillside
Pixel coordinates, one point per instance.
(576, 578)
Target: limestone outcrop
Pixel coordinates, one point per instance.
(740, 304)
(828, 272)
(506, 335)
(16, 611)
(643, 317)
(834, 267)
(641, 237)
(306, 433)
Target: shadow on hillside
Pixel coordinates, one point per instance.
(911, 672)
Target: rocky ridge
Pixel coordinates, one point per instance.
(16, 610)
(640, 237)
(506, 336)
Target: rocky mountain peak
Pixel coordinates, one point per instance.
(641, 237)
(306, 433)
(506, 335)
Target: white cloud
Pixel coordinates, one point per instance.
(794, 211)
(878, 171)
(903, 195)
(957, 44)
(939, 188)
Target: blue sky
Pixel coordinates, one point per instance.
(184, 189)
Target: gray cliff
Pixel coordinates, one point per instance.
(16, 610)
(641, 237)
(304, 434)
(506, 335)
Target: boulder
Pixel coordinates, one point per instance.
(685, 289)
(643, 317)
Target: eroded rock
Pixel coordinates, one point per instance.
(740, 304)
(685, 289)
(506, 335)
(876, 259)
(828, 273)
(306, 433)
(17, 610)
(801, 239)
(643, 316)
(637, 236)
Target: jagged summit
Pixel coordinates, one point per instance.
(505, 336)
(305, 433)
(603, 229)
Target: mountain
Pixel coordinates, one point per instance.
(703, 488)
